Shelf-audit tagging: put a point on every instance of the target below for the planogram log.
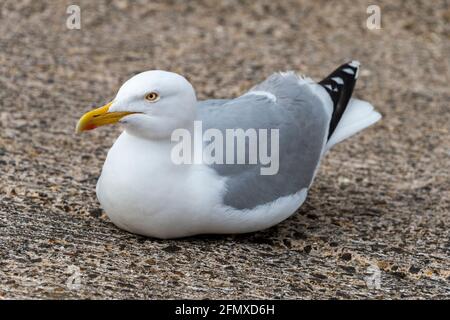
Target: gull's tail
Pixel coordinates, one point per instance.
(349, 115)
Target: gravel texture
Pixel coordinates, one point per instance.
(380, 200)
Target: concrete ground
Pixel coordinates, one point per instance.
(380, 205)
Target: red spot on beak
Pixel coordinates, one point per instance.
(90, 127)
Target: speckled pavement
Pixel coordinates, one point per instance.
(380, 203)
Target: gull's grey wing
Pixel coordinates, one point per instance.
(285, 102)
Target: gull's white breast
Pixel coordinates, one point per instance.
(144, 192)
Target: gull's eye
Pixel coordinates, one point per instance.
(152, 97)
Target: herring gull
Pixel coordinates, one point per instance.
(145, 190)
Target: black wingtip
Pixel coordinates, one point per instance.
(339, 85)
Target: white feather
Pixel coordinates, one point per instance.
(358, 115)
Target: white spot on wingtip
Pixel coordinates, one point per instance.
(348, 70)
(329, 87)
(338, 80)
(354, 64)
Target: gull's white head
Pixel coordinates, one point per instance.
(151, 105)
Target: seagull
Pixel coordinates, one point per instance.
(144, 191)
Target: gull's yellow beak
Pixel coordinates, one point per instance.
(99, 117)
